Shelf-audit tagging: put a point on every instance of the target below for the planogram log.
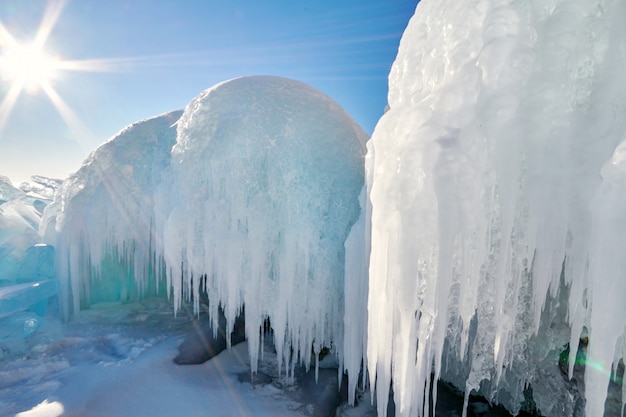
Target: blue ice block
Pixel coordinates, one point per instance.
(37, 264)
(15, 298)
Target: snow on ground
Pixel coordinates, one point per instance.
(116, 360)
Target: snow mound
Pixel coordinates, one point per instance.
(497, 207)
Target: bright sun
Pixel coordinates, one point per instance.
(27, 66)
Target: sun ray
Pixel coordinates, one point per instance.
(6, 39)
(81, 134)
(49, 20)
(8, 103)
(129, 64)
(200, 58)
(99, 64)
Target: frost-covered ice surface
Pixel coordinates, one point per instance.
(261, 194)
(19, 222)
(497, 189)
(249, 196)
(41, 187)
(102, 219)
(116, 360)
(18, 297)
(20, 214)
(7, 191)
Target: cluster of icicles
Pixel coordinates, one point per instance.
(498, 181)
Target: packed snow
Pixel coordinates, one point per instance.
(494, 193)
(115, 359)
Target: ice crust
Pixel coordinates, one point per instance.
(250, 197)
(497, 189)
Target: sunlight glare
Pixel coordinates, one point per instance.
(8, 103)
(78, 129)
(28, 66)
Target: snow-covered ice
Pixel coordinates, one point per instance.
(260, 196)
(20, 215)
(102, 217)
(116, 360)
(26, 266)
(19, 222)
(497, 203)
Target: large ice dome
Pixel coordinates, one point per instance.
(249, 196)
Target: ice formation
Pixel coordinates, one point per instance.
(20, 214)
(252, 204)
(497, 192)
(18, 297)
(41, 187)
(7, 191)
(260, 196)
(18, 231)
(101, 222)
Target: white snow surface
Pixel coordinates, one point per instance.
(497, 186)
(115, 359)
(252, 204)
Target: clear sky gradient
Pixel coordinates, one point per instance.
(154, 56)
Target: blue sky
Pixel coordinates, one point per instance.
(159, 54)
